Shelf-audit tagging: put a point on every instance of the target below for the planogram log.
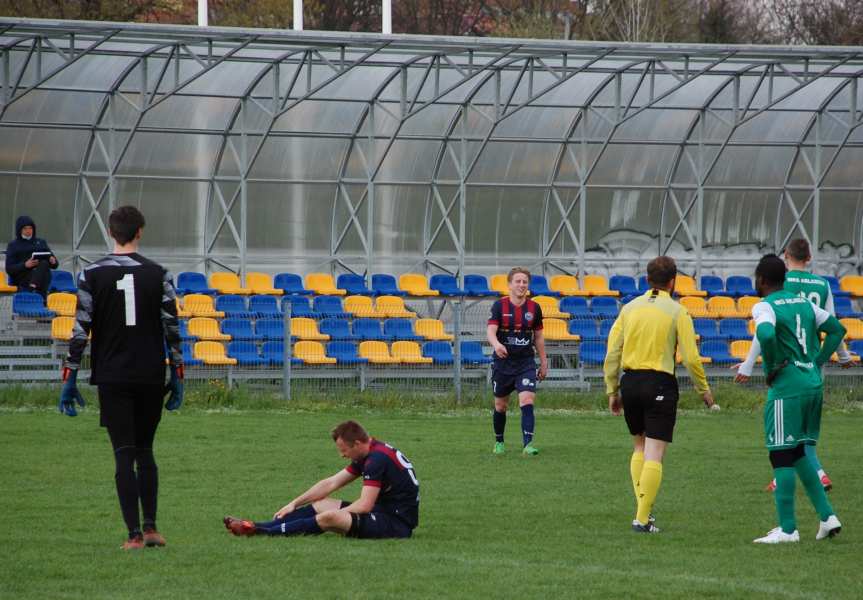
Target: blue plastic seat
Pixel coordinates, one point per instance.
(440, 352)
(401, 329)
(477, 285)
(856, 346)
(643, 286)
(717, 351)
(31, 305)
(834, 287)
(274, 354)
(576, 306)
(184, 331)
(623, 284)
(265, 307)
(246, 354)
(584, 328)
(593, 353)
(270, 329)
(353, 284)
(240, 329)
(189, 282)
(62, 281)
(385, 285)
(739, 285)
(604, 307)
(290, 283)
(330, 306)
(189, 359)
(369, 329)
(605, 328)
(345, 353)
(337, 329)
(539, 287)
(234, 306)
(706, 328)
(713, 285)
(844, 308)
(447, 285)
(300, 307)
(472, 354)
(734, 329)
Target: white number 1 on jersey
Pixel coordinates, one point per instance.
(127, 286)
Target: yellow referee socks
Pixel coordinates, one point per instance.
(636, 463)
(648, 488)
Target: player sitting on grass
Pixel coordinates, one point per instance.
(388, 506)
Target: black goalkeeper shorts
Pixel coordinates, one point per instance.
(131, 413)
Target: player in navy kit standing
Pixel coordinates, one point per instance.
(388, 506)
(514, 330)
(128, 304)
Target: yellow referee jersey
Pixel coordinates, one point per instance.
(646, 335)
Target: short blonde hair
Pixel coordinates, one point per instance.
(515, 270)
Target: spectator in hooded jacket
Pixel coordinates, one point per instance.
(31, 273)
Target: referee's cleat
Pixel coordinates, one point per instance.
(828, 528)
(135, 542)
(777, 536)
(499, 448)
(239, 526)
(637, 527)
(153, 538)
(529, 450)
(825, 481)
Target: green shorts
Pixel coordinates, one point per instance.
(792, 420)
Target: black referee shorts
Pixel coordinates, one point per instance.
(131, 413)
(649, 403)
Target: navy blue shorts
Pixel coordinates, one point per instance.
(378, 525)
(520, 380)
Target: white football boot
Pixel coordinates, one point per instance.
(828, 528)
(777, 536)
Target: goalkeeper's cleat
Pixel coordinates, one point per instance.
(153, 538)
(529, 450)
(637, 527)
(135, 542)
(499, 448)
(770, 487)
(239, 526)
(777, 536)
(828, 528)
(825, 481)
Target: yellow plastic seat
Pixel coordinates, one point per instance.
(307, 329)
(740, 350)
(597, 285)
(550, 308)
(201, 305)
(362, 307)
(393, 306)
(61, 328)
(261, 283)
(416, 285)
(745, 304)
(323, 285)
(696, 307)
(62, 303)
(409, 353)
(556, 330)
(684, 285)
(212, 353)
(6, 287)
(566, 285)
(205, 328)
(497, 283)
(228, 283)
(720, 307)
(431, 329)
(377, 353)
(854, 328)
(312, 353)
(705, 360)
(750, 325)
(182, 312)
(852, 284)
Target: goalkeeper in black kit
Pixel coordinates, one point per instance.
(127, 305)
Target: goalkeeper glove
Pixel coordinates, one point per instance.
(175, 388)
(69, 395)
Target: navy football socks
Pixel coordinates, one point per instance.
(499, 421)
(527, 423)
(304, 512)
(306, 526)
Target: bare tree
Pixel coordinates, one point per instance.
(734, 22)
(826, 22)
(639, 20)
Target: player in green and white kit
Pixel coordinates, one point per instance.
(788, 327)
(816, 289)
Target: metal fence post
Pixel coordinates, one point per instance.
(457, 319)
(287, 352)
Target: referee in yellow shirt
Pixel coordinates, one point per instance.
(643, 342)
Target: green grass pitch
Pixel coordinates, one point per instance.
(552, 526)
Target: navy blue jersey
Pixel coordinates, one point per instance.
(515, 329)
(386, 468)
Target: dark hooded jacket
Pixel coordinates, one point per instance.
(20, 250)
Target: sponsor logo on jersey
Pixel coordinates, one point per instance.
(517, 341)
(528, 316)
(804, 365)
(660, 398)
(789, 438)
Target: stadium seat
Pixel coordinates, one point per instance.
(623, 284)
(696, 307)
(684, 285)
(856, 346)
(416, 285)
(843, 308)
(261, 283)
(740, 350)
(392, 306)
(274, 353)
(549, 308)
(323, 285)
(240, 329)
(750, 326)
(853, 327)
(745, 304)
(566, 285)
(734, 329)
(307, 329)
(362, 307)
(61, 328)
(200, 305)
(213, 353)
(299, 307)
(499, 284)
(585, 329)
(385, 285)
(30, 305)
(705, 360)
(264, 307)
(592, 353)
(189, 359)
(270, 329)
(432, 329)
(62, 303)
(181, 312)
(353, 284)
(233, 306)
(834, 358)
(330, 306)
(246, 354)
(643, 286)
(706, 329)
(345, 353)
(852, 284)
(312, 353)
(368, 329)
(189, 282)
(184, 331)
(337, 329)
(5, 286)
(539, 287)
(576, 307)
(226, 282)
(605, 328)
(717, 351)
(400, 329)
(291, 283)
(472, 354)
(447, 285)
(477, 285)
(835, 288)
(713, 285)
(62, 281)
(410, 353)
(721, 307)
(556, 330)
(377, 353)
(205, 328)
(739, 285)
(440, 352)
(596, 285)
(604, 307)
